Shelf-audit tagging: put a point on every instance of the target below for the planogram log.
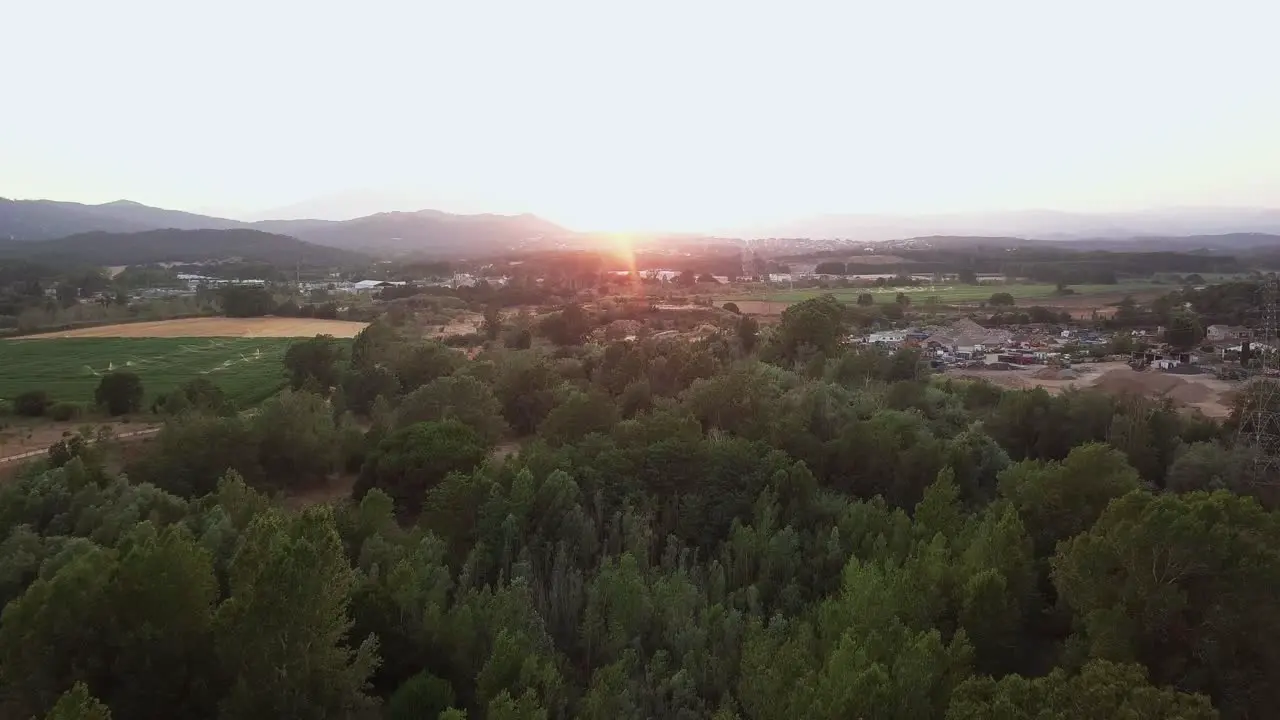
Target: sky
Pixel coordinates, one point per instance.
(656, 115)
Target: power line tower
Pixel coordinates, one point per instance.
(1259, 428)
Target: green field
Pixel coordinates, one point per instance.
(954, 293)
(247, 369)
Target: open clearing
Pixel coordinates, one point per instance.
(214, 327)
(247, 369)
(772, 303)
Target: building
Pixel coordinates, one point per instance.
(368, 286)
(1225, 333)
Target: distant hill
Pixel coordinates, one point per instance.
(426, 232)
(1040, 224)
(157, 246)
(1222, 244)
(429, 231)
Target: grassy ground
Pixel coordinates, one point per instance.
(247, 369)
(953, 293)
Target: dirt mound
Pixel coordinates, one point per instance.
(1154, 385)
(1130, 382)
(1055, 374)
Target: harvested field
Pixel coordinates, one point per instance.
(216, 327)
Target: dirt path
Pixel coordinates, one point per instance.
(5, 457)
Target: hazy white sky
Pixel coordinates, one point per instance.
(643, 115)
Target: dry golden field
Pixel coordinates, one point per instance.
(261, 327)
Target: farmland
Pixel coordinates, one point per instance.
(218, 327)
(69, 369)
(771, 302)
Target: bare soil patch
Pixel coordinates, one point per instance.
(1205, 393)
(218, 327)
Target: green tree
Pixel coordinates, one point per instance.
(491, 326)
(1184, 331)
(78, 704)
(866, 299)
(579, 415)
(192, 452)
(457, 397)
(568, 326)
(748, 332)
(1101, 690)
(162, 602)
(242, 301)
(1182, 584)
(51, 636)
(364, 384)
(411, 460)
(523, 387)
(119, 393)
(296, 439)
(1001, 299)
(282, 632)
(817, 323)
(202, 395)
(423, 363)
(1059, 500)
(313, 362)
(32, 403)
(423, 695)
(375, 344)
(732, 307)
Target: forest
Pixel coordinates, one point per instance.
(764, 524)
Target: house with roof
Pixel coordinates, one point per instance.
(1226, 333)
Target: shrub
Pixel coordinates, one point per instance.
(64, 411)
(31, 403)
(732, 307)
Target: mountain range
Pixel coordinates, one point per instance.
(1037, 224)
(426, 232)
(432, 233)
(178, 246)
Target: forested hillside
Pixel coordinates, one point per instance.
(177, 246)
(763, 524)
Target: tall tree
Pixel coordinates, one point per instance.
(281, 634)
